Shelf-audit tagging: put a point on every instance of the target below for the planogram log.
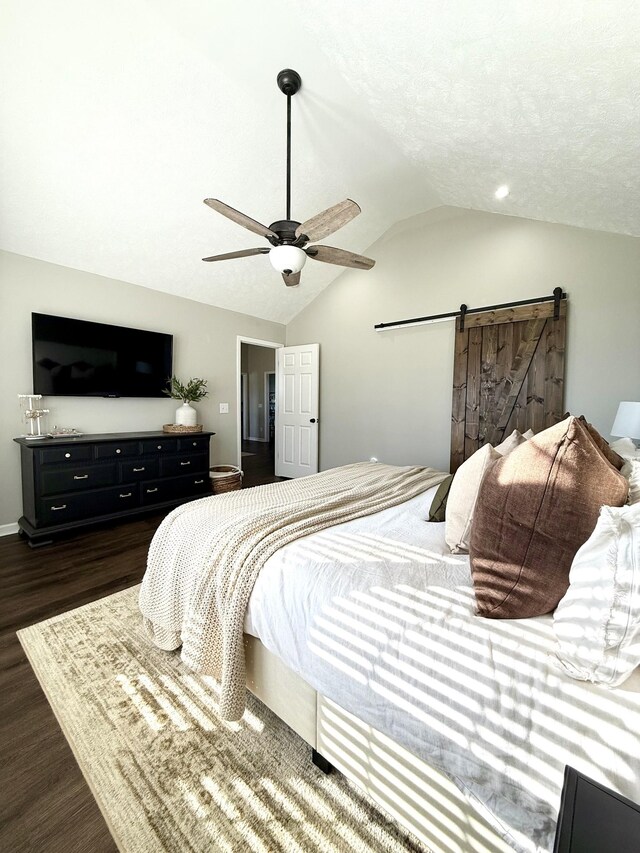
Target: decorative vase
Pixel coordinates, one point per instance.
(186, 415)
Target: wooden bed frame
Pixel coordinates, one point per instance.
(420, 798)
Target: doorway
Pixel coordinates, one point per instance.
(256, 415)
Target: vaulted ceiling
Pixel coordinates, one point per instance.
(119, 118)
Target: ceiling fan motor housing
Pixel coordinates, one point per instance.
(286, 231)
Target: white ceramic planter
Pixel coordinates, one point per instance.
(186, 415)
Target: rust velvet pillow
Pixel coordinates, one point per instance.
(616, 460)
(535, 508)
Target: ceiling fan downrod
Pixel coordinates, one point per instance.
(289, 82)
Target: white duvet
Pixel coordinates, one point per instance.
(377, 615)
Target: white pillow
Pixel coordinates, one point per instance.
(626, 448)
(597, 623)
(463, 495)
(511, 442)
(631, 470)
(528, 434)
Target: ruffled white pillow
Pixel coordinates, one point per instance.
(597, 623)
(631, 470)
(626, 448)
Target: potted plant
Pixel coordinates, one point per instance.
(194, 390)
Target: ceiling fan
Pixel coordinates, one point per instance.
(289, 238)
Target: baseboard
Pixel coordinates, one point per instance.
(8, 529)
(254, 438)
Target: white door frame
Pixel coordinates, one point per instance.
(240, 339)
(267, 374)
(244, 405)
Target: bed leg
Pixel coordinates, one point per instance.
(321, 762)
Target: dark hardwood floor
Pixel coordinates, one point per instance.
(45, 804)
(259, 465)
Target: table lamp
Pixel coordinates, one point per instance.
(627, 422)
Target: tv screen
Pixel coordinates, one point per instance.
(594, 819)
(77, 358)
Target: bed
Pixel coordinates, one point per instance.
(363, 638)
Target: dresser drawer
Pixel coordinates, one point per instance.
(141, 469)
(60, 480)
(117, 449)
(157, 491)
(116, 500)
(53, 455)
(159, 445)
(195, 445)
(63, 509)
(196, 485)
(187, 463)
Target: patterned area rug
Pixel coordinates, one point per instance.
(167, 773)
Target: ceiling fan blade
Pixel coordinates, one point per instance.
(243, 253)
(329, 255)
(325, 223)
(240, 218)
(291, 280)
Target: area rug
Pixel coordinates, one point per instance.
(167, 773)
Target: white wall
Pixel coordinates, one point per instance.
(205, 344)
(388, 394)
(382, 394)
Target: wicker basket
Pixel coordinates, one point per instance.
(225, 478)
(180, 429)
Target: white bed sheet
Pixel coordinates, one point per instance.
(377, 615)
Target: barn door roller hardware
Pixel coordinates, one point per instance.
(557, 295)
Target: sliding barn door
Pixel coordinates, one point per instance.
(508, 374)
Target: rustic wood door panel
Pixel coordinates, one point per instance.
(508, 374)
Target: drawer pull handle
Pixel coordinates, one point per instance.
(151, 491)
(185, 463)
(198, 482)
(138, 469)
(80, 477)
(159, 447)
(128, 495)
(195, 443)
(67, 456)
(64, 506)
(118, 450)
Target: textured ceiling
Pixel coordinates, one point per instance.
(118, 118)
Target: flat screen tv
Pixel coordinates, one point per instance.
(595, 819)
(78, 358)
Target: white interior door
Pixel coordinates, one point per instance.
(296, 449)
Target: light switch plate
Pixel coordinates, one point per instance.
(224, 408)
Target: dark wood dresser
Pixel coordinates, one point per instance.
(73, 482)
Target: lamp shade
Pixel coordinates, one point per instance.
(287, 259)
(627, 422)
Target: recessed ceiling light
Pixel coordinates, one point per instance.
(502, 192)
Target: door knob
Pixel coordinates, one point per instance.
(312, 420)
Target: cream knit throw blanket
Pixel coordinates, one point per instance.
(206, 555)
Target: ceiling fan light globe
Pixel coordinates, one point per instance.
(287, 259)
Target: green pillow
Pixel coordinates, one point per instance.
(439, 503)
